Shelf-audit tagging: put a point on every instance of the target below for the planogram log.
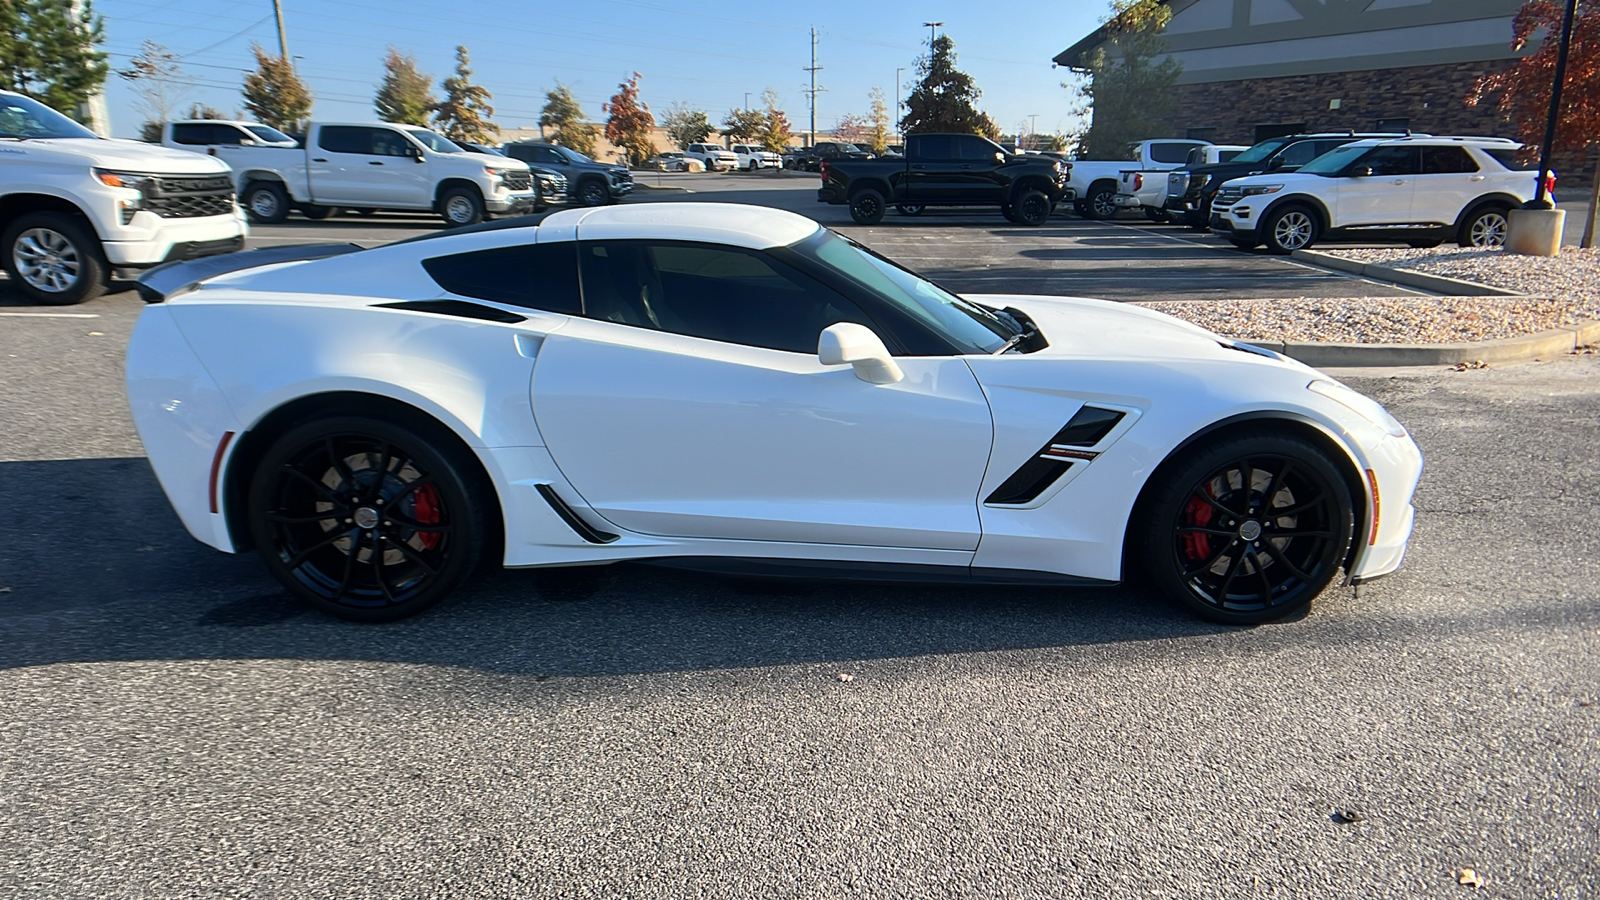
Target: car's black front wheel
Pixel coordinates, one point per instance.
(1248, 529)
(592, 192)
(867, 207)
(1031, 208)
(367, 519)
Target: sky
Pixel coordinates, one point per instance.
(708, 56)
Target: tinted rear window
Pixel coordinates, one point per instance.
(1169, 152)
(532, 276)
(1508, 157)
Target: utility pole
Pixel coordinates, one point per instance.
(746, 101)
(283, 39)
(899, 138)
(1033, 131)
(811, 95)
(931, 26)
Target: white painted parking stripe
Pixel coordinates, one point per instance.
(51, 315)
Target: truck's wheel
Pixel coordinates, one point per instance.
(461, 206)
(593, 193)
(1031, 208)
(1101, 203)
(54, 259)
(266, 202)
(315, 212)
(1081, 208)
(867, 207)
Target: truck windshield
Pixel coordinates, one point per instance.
(22, 119)
(1261, 151)
(269, 134)
(435, 142)
(970, 327)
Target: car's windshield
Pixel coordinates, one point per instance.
(438, 143)
(269, 134)
(968, 326)
(574, 155)
(1334, 161)
(1261, 151)
(23, 118)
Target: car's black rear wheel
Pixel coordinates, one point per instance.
(366, 519)
(867, 207)
(1248, 530)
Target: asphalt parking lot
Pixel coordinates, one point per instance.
(175, 726)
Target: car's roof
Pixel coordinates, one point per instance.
(1424, 140)
(755, 227)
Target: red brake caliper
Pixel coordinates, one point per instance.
(427, 513)
(1197, 513)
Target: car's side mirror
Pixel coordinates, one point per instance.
(1275, 164)
(847, 342)
(999, 157)
(1361, 172)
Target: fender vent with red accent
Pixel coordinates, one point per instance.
(1088, 427)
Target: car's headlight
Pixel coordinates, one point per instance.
(1255, 189)
(1361, 404)
(114, 178)
(493, 172)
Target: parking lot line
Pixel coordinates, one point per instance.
(34, 315)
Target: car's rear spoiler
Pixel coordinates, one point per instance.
(169, 279)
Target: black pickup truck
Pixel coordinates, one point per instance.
(947, 170)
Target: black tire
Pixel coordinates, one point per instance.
(316, 213)
(1081, 208)
(1290, 228)
(1158, 216)
(55, 259)
(1031, 208)
(593, 192)
(1424, 245)
(1205, 542)
(910, 209)
(1484, 227)
(1100, 203)
(461, 206)
(265, 202)
(326, 492)
(867, 206)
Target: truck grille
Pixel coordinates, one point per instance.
(189, 196)
(518, 181)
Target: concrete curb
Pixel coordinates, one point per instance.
(1544, 345)
(1438, 284)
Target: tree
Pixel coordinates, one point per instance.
(943, 98)
(158, 86)
(878, 134)
(275, 95)
(49, 52)
(1129, 93)
(406, 94)
(851, 128)
(744, 125)
(563, 114)
(775, 132)
(686, 125)
(463, 114)
(630, 122)
(1524, 90)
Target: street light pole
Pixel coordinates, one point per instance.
(931, 26)
(746, 101)
(1538, 201)
(899, 138)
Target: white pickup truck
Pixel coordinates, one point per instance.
(76, 209)
(364, 166)
(1096, 183)
(1147, 189)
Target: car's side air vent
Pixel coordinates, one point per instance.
(458, 308)
(1088, 427)
(586, 531)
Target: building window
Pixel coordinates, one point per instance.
(1267, 132)
(1397, 126)
(1202, 134)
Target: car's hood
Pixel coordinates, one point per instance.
(130, 156)
(1081, 327)
(1283, 177)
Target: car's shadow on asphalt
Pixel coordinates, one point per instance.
(99, 568)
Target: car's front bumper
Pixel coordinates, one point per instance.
(1393, 468)
(520, 202)
(1225, 225)
(172, 239)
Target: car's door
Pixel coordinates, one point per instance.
(1381, 198)
(689, 402)
(977, 175)
(931, 175)
(1450, 179)
(367, 165)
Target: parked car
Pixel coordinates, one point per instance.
(1095, 183)
(217, 133)
(795, 158)
(668, 161)
(738, 388)
(715, 157)
(372, 165)
(589, 183)
(946, 170)
(1148, 190)
(751, 157)
(1417, 190)
(1192, 189)
(810, 158)
(550, 185)
(76, 209)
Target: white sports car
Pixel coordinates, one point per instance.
(737, 389)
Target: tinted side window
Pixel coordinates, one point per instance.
(976, 149)
(548, 155)
(227, 134)
(1169, 152)
(345, 139)
(708, 291)
(1391, 160)
(388, 143)
(933, 146)
(1299, 153)
(191, 134)
(1447, 161)
(1508, 158)
(533, 276)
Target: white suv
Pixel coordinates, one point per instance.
(715, 158)
(1416, 190)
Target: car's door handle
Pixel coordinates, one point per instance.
(317, 159)
(919, 167)
(373, 162)
(1399, 181)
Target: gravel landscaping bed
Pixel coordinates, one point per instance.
(1575, 273)
(1384, 320)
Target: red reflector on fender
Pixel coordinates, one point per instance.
(216, 465)
(1372, 479)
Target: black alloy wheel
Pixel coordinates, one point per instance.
(867, 207)
(365, 519)
(1248, 530)
(593, 193)
(1032, 208)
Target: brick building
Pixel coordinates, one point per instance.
(1253, 69)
